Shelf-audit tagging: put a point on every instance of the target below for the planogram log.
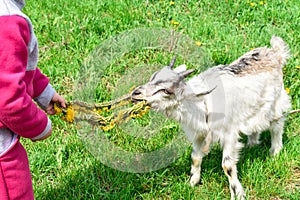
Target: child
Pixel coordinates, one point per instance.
(20, 82)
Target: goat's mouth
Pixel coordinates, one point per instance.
(137, 96)
(136, 100)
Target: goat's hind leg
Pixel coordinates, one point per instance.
(253, 139)
(276, 130)
(200, 149)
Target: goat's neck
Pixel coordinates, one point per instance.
(190, 113)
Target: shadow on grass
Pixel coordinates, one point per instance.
(101, 182)
(260, 151)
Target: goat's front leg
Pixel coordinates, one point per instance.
(201, 148)
(231, 148)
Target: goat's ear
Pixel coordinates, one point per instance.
(186, 72)
(180, 68)
(206, 92)
(194, 90)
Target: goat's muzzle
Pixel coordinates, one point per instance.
(136, 95)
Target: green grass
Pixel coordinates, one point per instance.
(68, 31)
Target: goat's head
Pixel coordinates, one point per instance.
(165, 88)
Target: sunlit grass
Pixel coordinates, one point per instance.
(68, 31)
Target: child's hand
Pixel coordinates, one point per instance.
(50, 110)
(56, 98)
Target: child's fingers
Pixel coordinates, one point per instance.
(63, 102)
(50, 109)
(59, 99)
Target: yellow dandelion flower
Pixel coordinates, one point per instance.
(147, 108)
(132, 115)
(198, 43)
(252, 4)
(98, 111)
(149, 13)
(69, 116)
(262, 2)
(57, 109)
(287, 90)
(172, 3)
(105, 109)
(297, 67)
(174, 22)
(106, 128)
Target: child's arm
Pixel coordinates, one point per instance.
(17, 110)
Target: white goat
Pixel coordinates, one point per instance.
(245, 97)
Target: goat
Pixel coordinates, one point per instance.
(244, 97)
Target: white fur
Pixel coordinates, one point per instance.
(247, 102)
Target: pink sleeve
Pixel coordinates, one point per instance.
(17, 110)
(40, 83)
(43, 91)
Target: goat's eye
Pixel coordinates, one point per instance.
(167, 91)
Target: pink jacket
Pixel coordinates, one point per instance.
(20, 79)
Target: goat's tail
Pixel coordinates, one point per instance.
(281, 50)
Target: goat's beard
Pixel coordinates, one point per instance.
(166, 108)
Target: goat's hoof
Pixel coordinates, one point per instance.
(240, 196)
(274, 152)
(192, 183)
(194, 180)
(237, 191)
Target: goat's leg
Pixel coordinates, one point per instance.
(231, 149)
(253, 139)
(200, 149)
(276, 130)
(197, 156)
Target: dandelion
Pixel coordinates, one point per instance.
(287, 90)
(108, 127)
(297, 67)
(57, 109)
(69, 117)
(102, 114)
(198, 43)
(174, 23)
(172, 3)
(262, 2)
(67, 113)
(106, 109)
(252, 4)
(149, 13)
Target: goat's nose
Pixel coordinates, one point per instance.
(136, 92)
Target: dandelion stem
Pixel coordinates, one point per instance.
(103, 115)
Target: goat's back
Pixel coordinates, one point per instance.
(250, 92)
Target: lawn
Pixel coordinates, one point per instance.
(69, 32)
